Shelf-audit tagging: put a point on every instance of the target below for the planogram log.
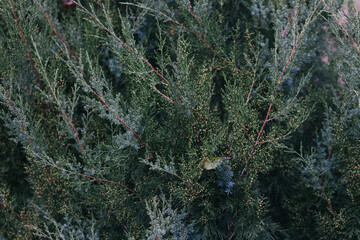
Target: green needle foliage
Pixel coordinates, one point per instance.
(179, 120)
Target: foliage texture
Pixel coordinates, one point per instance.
(183, 119)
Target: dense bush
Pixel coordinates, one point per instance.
(179, 120)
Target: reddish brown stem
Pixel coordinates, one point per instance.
(57, 32)
(267, 119)
(248, 97)
(270, 119)
(76, 132)
(33, 65)
(49, 174)
(211, 49)
(348, 35)
(187, 185)
(326, 198)
(101, 99)
(257, 141)
(295, 45)
(73, 55)
(102, 193)
(286, 28)
(36, 72)
(12, 106)
(9, 100)
(142, 58)
(262, 127)
(201, 37)
(154, 70)
(330, 152)
(270, 140)
(286, 64)
(192, 13)
(110, 181)
(11, 210)
(247, 135)
(169, 99)
(99, 2)
(25, 43)
(277, 87)
(121, 121)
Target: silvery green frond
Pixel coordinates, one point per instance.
(167, 223)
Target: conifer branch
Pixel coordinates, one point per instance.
(13, 108)
(277, 87)
(74, 56)
(257, 141)
(36, 72)
(51, 163)
(57, 32)
(247, 135)
(25, 43)
(326, 199)
(8, 98)
(116, 116)
(23, 129)
(201, 37)
(186, 184)
(289, 21)
(112, 185)
(193, 14)
(12, 210)
(108, 181)
(267, 119)
(57, 100)
(346, 32)
(309, 19)
(172, 173)
(250, 89)
(112, 33)
(270, 140)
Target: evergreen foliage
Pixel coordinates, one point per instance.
(180, 119)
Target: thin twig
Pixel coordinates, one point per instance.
(128, 47)
(247, 135)
(88, 176)
(73, 55)
(8, 98)
(13, 108)
(25, 43)
(192, 13)
(289, 21)
(117, 117)
(267, 119)
(199, 36)
(132, 50)
(270, 140)
(16, 214)
(186, 184)
(347, 34)
(52, 90)
(108, 181)
(325, 196)
(257, 141)
(57, 32)
(296, 44)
